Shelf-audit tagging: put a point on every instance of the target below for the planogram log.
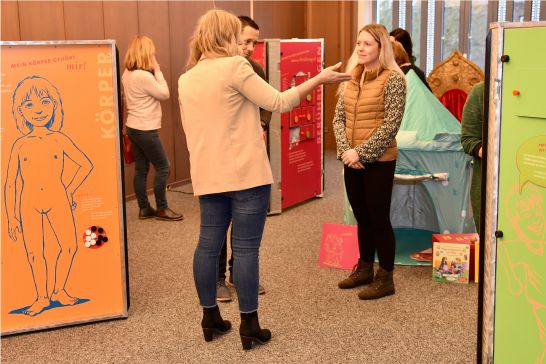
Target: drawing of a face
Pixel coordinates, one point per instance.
(526, 215)
(531, 217)
(37, 110)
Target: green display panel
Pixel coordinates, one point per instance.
(520, 303)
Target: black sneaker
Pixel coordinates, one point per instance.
(168, 214)
(146, 213)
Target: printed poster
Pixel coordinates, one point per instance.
(520, 287)
(63, 232)
(301, 128)
(339, 246)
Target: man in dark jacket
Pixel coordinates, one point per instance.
(471, 140)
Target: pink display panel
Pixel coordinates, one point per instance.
(301, 129)
(259, 54)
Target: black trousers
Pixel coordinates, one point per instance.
(369, 191)
(222, 262)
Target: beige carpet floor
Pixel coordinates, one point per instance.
(312, 321)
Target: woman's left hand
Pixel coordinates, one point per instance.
(351, 159)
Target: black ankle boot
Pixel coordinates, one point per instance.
(250, 330)
(212, 323)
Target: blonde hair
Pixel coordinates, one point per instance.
(215, 36)
(140, 54)
(400, 55)
(386, 54)
(40, 87)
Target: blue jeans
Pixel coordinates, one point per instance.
(147, 148)
(246, 210)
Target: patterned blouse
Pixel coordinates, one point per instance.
(373, 148)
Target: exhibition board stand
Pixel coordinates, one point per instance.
(64, 257)
(295, 138)
(513, 293)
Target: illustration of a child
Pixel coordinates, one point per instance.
(444, 266)
(522, 259)
(40, 200)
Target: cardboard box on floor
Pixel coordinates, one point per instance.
(470, 238)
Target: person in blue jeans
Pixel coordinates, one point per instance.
(249, 37)
(219, 99)
(144, 87)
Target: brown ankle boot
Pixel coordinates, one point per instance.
(382, 286)
(362, 274)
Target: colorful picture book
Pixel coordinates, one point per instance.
(465, 238)
(451, 262)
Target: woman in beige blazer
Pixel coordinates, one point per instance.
(219, 97)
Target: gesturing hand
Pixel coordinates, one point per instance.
(330, 74)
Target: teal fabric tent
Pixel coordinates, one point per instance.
(432, 182)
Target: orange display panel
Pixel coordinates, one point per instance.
(63, 230)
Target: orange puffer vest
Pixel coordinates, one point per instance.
(365, 108)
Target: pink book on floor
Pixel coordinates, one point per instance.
(339, 246)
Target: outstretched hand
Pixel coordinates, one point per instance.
(330, 74)
(327, 75)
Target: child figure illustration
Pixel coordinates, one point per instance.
(444, 266)
(522, 259)
(459, 266)
(41, 200)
